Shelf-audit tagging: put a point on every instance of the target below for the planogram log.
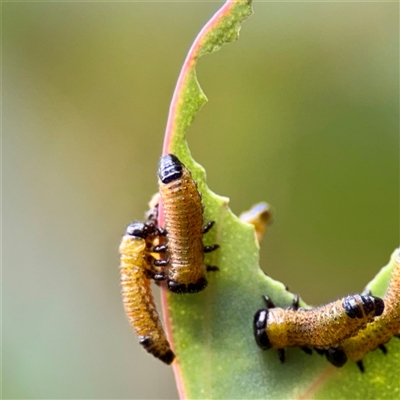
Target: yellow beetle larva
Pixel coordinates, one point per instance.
(323, 327)
(183, 212)
(135, 270)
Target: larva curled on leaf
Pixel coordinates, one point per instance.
(378, 332)
(183, 211)
(136, 269)
(323, 327)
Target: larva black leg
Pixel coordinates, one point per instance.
(268, 301)
(306, 350)
(321, 352)
(162, 248)
(209, 249)
(281, 354)
(295, 303)
(212, 268)
(160, 276)
(336, 357)
(360, 365)
(160, 263)
(383, 348)
(208, 226)
(162, 231)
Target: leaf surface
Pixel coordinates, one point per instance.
(211, 332)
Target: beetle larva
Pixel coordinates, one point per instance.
(323, 327)
(136, 270)
(183, 212)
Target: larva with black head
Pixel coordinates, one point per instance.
(183, 212)
(323, 328)
(378, 332)
(136, 269)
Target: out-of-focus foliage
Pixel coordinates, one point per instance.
(302, 112)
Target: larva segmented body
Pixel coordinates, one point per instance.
(183, 212)
(135, 271)
(324, 327)
(378, 332)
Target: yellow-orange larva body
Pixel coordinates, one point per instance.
(381, 330)
(135, 272)
(324, 327)
(183, 212)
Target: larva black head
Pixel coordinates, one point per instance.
(169, 168)
(138, 229)
(177, 287)
(368, 303)
(336, 357)
(259, 325)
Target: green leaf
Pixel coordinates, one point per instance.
(211, 332)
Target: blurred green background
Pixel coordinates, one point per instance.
(302, 113)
